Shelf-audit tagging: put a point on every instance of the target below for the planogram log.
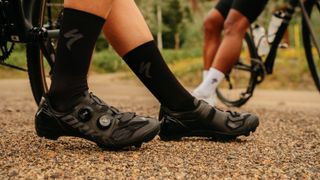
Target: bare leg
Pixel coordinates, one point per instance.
(130, 36)
(126, 31)
(213, 26)
(97, 7)
(227, 55)
(229, 51)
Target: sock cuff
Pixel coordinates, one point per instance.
(148, 64)
(84, 16)
(216, 72)
(204, 74)
(147, 47)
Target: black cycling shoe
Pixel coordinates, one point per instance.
(96, 121)
(205, 121)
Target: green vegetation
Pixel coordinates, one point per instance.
(182, 42)
(291, 69)
(17, 58)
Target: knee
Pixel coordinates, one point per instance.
(212, 24)
(235, 27)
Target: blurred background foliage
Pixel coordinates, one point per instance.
(181, 39)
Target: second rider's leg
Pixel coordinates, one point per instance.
(243, 13)
(181, 114)
(235, 28)
(213, 26)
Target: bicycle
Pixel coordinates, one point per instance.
(251, 71)
(34, 23)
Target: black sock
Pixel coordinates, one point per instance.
(78, 36)
(147, 63)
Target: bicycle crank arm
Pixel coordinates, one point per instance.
(53, 33)
(39, 34)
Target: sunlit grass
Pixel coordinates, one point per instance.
(18, 59)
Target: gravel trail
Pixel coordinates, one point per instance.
(286, 145)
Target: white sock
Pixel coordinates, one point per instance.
(210, 83)
(204, 74)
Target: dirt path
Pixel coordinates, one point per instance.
(286, 144)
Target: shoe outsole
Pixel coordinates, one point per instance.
(176, 125)
(208, 134)
(134, 145)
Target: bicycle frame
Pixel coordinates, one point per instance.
(289, 11)
(17, 18)
(259, 68)
(18, 23)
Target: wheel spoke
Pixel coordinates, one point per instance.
(309, 25)
(45, 47)
(311, 15)
(316, 39)
(6, 47)
(318, 7)
(2, 50)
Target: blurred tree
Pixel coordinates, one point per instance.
(176, 23)
(172, 17)
(159, 23)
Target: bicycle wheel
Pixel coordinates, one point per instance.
(311, 38)
(240, 83)
(41, 54)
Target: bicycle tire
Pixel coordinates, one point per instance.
(35, 63)
(313, 60)
(34, 72)
(242, 97)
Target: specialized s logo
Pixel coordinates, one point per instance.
(145, 68)
(72, 36)
(214, 80)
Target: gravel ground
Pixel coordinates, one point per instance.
(286, 145)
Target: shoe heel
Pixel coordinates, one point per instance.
(169, 138)
(46, 128)
(47, 134)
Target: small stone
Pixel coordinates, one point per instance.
(8, 109)
(13, 173)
